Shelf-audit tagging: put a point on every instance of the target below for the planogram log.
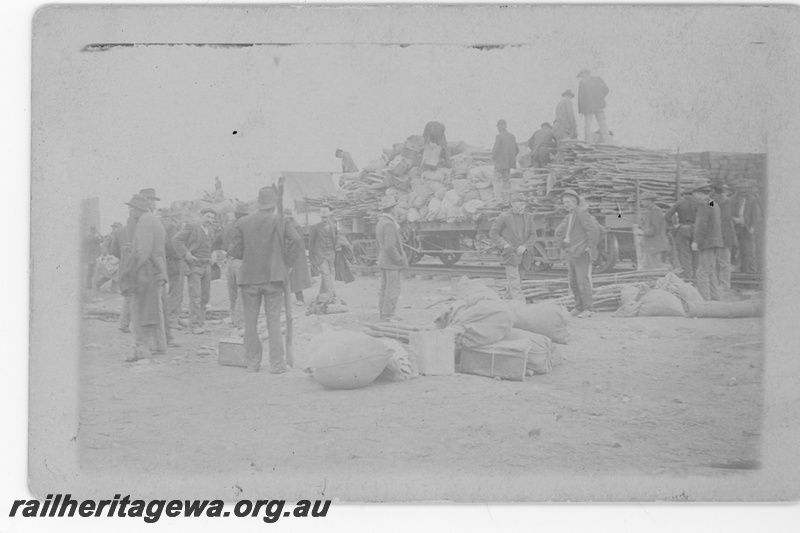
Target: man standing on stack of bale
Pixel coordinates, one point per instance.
(348, 165)
(707, 240)
(504, 157)
(322, 244)
(728, 232)
(653, 230)
(259, 241)
(746, 217)
(565, 126)
(579, 233)
(391, 256)
(686, 208)
(592, 93)
(513, 232)
(193, 244)
(142, 275)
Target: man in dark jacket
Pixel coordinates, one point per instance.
(504, 157)
(194, 244)
(592, 93)
(685, 208)
(299, 276)
(541, 143)
(728, 232)
(707, 240)
(746, 218)
(391, 256)
(322, 246)
(565, 126)
(579, 233)
(232, 265)
(259, 241)
(514, 233)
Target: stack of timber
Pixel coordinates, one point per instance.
(394, 330)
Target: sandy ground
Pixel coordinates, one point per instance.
(641, 396)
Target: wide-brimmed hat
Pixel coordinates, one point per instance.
(569, 93)
(150, 194)
(649, 195)
(139, 202)
(267, 198)
(502, 122)
(700, 184)
(570, 192)
(204, 210)
(517, 197)
(324, 211)
(387, 202)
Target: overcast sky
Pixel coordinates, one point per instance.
(165, 115)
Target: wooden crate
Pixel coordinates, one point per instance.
(510, 367)
(231, 353)
(434, 351)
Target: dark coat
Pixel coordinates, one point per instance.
(504, 153)
(259, 242)
(726, 221)
(708, 226)
(299, 277)
(193, 239)
(584, 235)
(514, 230)
(317, 248)
(592, 95)
(145, 268)
(391, 255)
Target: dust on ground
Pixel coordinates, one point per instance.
(641, 396)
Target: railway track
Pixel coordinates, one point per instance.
(492, 269)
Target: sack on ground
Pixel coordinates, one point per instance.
(473, 291)
(543, 353)
(684, 291)
(660, 303)
(348, 360)
(550, 320)
(478, 325)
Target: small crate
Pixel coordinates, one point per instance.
(492, 365)
(435, 351)
(231, 353)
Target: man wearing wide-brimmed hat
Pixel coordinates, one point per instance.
(263, 274)
(142, 275)
(653, 229)
(193, 244)
(514, 233)
(746, 218)
(504, 157)
(707, 239)
(565, 126)
(322, 246)
(592, 93)
(579, 233)
(391, 256)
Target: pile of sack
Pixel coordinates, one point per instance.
(487, 325)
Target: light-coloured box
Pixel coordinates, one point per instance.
(435, 351)
(231, 353)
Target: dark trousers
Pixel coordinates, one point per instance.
(686, 257)
(272, 295)
(389, 292)
(747, 250)
(580, 281)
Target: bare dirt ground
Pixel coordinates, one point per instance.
(640, 396)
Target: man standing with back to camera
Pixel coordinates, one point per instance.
(259, 241)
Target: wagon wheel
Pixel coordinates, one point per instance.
(361, 255)
(450, 258)
(606, 255)
(410, 244)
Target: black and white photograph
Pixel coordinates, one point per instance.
(412, 253)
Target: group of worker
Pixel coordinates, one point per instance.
(592, 91)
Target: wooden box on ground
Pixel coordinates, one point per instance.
(231, 353)
(435, 351)
(504, 366)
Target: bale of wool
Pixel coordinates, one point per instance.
(348, 360)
